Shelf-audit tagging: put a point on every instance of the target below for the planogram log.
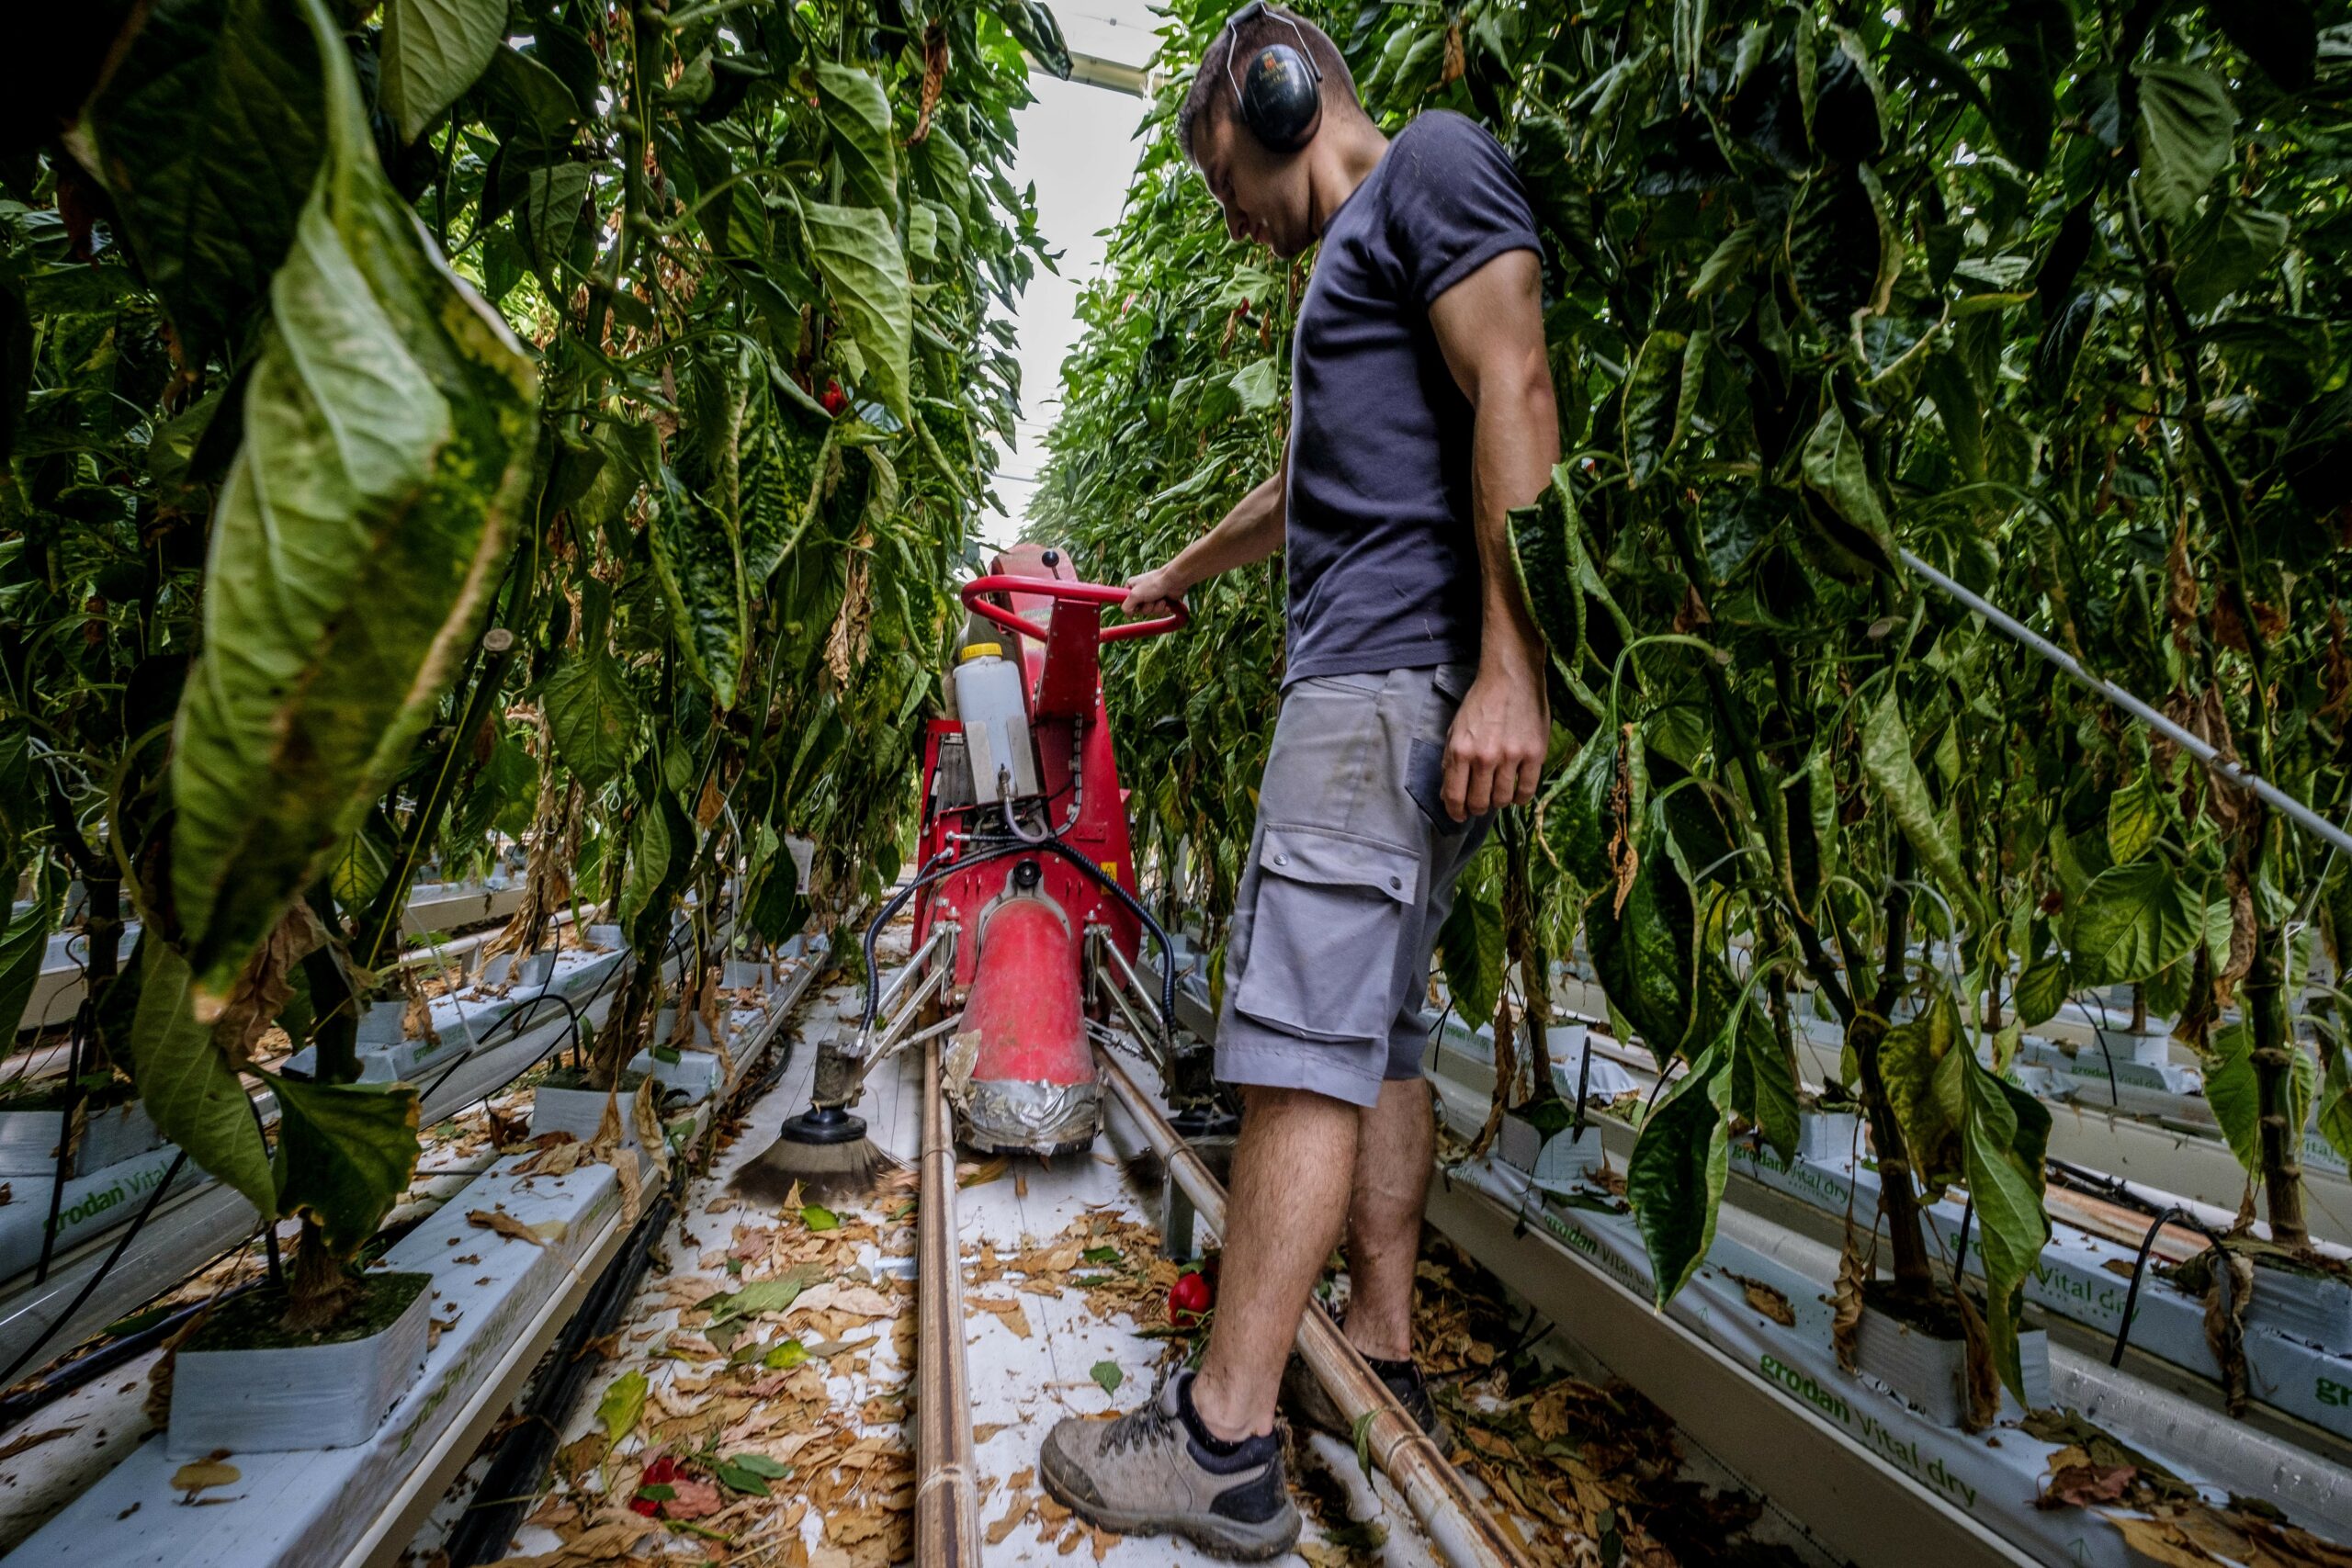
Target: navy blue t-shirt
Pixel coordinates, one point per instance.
(1383, 561)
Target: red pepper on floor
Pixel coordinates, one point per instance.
(663, 1472)
(1187, 1299)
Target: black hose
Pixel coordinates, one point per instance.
(1584, 1081)
(2140, 1266)
(1166, 948)
(269, 1222)
(2114, 1092)
(933, 871)
(74, 1095)
(513, 1025)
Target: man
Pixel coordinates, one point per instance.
(1413, 708)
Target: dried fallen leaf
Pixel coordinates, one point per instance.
(505, 1224)
(1008, 1311)
(691, 1499)
(2160, 1542)
(608, 1541)
(197, 1474)
(2080, 1485)
(1023, 1504)
(1767, 1299)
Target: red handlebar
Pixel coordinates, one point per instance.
(1053, 588)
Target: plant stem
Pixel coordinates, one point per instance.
(1896, 1199)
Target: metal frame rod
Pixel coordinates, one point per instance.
(913, 966)
(892, 1035)
(2228, 772)
(1456, 1523)
(947, 1501)
(1147, 1038)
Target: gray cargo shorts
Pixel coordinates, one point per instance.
(1351, 871)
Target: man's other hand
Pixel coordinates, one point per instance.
(1154, 593)
(1494, 754)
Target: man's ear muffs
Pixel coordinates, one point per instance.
(1278, 93)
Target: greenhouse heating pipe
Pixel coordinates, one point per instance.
(2221, 767)
(1458, 1526)
(947, 1503)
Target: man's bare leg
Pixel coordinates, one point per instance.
(1385, 1220)
(1294, 1169)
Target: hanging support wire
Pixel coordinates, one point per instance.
(2221, 767)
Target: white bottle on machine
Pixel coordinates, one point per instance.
(995, 722)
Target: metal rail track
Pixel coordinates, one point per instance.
(947, 1501)
(1456, 1523)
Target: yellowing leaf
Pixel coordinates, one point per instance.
(624, 1402)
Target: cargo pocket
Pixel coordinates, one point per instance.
(1323, 940)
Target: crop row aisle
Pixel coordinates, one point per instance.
(759, 1398)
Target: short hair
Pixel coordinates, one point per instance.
(1210, 95)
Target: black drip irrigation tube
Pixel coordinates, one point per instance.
(95, 1364)
(2139, 1268)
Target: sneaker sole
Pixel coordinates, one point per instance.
(1236, 1541)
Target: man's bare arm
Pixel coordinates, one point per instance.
(1490, 328)
(1251, 532)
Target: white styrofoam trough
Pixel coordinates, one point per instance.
(29, 1139)
(307, 1397)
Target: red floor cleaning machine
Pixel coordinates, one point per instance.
(1027, 921)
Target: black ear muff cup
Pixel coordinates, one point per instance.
(1278, 95)
(1280, 102)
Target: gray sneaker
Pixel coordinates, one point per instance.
(1144, 1473)
(1304, 1397)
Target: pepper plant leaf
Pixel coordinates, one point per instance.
(2006, 1137)
(858, 114)
(186, 1083)
(344, 1155)
(431, 50)
(389, 430)
(1472, 954)
(1675, 1176)
(2183, 137)
(858, 255)
(24, 947)
(1887, 762)
(1647, 954)
(208, 133)
(2129, 921)
(699, 555)
(593, 716)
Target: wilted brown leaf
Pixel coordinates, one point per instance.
(1846, 1302)
(266, 984)
(507, 1225)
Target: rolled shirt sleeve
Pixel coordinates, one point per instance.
(1454, 204)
